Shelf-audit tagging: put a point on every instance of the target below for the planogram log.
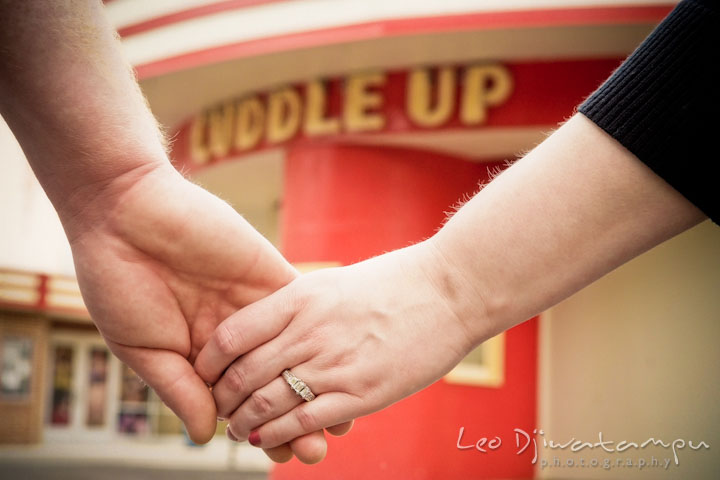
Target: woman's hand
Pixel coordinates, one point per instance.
(361, 337)
(160, 263)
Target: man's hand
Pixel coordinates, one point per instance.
(160, 263)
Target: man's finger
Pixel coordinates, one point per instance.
(310, 448)
(341, 429)
(280, 454)
(176, 383)
(243, 331)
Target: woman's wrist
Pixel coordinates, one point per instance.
(459, 290)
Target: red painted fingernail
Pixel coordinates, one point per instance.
(230, 435)
(254, 438)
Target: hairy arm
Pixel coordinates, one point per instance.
(576, 207)
(160, 261)
(73, 103)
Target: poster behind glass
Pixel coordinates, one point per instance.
(16, 354)
(133, 415)
(97, 387)
(62, 385)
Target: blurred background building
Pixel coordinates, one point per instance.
(343, 129)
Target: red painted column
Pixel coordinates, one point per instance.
(347, 203)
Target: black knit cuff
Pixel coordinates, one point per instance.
(662, 103)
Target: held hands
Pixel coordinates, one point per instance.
(361, 337)
(161, 262)
(176, 282)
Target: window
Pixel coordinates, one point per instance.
(484, 366)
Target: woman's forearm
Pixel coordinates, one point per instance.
(72, 101)
(576, 207)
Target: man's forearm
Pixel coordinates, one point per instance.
(72, 101)
(572, 210)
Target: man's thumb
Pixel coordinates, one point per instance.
(177, 384)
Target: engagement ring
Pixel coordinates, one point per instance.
(298, 386)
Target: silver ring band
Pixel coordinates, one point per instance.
(298, 386)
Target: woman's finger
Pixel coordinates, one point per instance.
(309, 449)
(243, 331)
(280, 454)
(276, 399)
(256, 369)
(273, 400)
(325, 410)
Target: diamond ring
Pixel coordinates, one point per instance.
(298, 386)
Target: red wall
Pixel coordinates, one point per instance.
(346, 203)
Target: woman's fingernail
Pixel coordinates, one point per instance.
(254, 438)
(230, 435)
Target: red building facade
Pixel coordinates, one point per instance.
(371, 132)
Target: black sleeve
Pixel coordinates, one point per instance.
(662, 102)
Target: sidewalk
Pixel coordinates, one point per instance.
(124, 458)
(29, 471)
